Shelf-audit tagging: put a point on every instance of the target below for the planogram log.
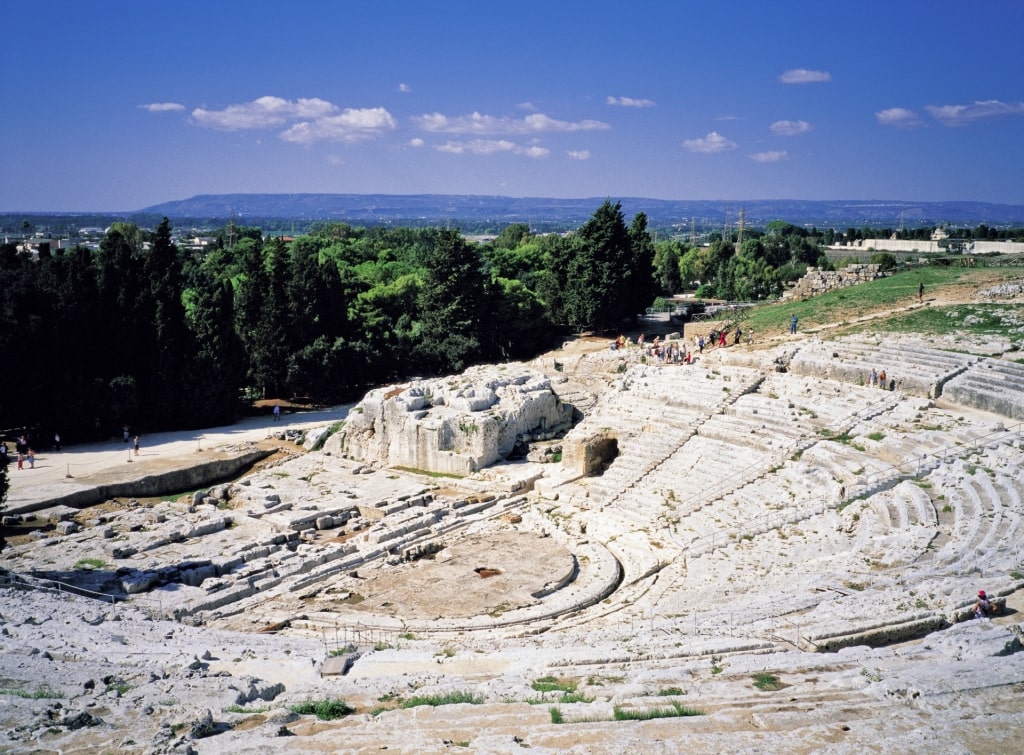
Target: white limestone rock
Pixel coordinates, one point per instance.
(454, 425)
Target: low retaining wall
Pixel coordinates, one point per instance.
(80, 495)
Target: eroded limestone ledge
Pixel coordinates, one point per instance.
(453, 425)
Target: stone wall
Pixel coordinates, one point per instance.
(820, 281)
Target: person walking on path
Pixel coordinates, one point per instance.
(277, 412)
(136, 445)
(920, 292)
(792, 324)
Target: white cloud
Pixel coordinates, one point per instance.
(404, 88)
(417, 142)
(898, 117)
(713, 142)
(769, 157)
(629, 102)
(264, 112)
(528, 106)
(578, 154)
(804, 76)
(491, 147)
(479, 124)
(961, 115)
(790, 128)
(350, 125)
(162, 107)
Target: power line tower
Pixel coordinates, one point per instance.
(693, 231)
(742, 225)
(231, 230)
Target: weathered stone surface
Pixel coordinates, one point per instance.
(817, 282)
(455, 425)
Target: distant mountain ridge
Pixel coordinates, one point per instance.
(374, 209)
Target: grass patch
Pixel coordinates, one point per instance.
(676, 710)
(554, 684)
(325, 710)
(242, 709)
(444, 698)
(40, 693)
(894, 292)
(671, 692)
(875, 436)
(90, 563)
(767, 682)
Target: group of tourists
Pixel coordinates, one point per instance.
(676, 352)
(26, 454)
(880, 380)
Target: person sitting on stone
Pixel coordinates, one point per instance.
(983, 608)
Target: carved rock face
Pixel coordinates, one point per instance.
(454, 425)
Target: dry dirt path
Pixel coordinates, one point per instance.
(158, 452)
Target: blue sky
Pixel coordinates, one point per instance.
(111, 105)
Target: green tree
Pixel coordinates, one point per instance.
(605, 279)
(170, 343)
(218, 366)
(451, 305)
(666, 266)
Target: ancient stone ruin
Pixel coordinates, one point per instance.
(762, 538)
(454, 425)
(817, 281)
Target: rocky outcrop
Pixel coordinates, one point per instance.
(454, 425)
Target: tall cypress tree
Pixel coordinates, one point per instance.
(170, 343)
(452, 305)
(217, 369)
(598, 270)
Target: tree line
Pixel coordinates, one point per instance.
(141, 332)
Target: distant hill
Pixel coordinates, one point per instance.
(416, 209)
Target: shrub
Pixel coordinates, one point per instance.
(325, 710)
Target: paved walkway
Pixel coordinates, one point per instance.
(76, 462)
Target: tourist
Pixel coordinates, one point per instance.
(31, 457)
(920, 292)
(881, 381)
(873, 378)
(983, 608)
(56, 441)
(4, 455)
(136, 445)
(277, 412)
(124, 432)
(21, 460)
(792, 324)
